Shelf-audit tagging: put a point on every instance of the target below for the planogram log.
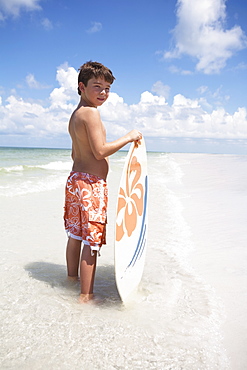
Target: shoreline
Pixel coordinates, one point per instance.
(220, 253)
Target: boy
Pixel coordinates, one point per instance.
(86, 188)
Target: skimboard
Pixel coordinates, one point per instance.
(131, 221)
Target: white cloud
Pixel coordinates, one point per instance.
(67, 92)
(175, 70)
(241, 66)
(183, 118)
(202, 89)
(13, 7)
(96, 27)
(47, 24)
(2, 17)
(153, 116)
(200, 33)
(218, 97)
(33, 84)
(161, 89)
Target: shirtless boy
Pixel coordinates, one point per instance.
(86, 188)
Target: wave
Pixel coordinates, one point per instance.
(57, 166)
(34, 185)
(52, 166)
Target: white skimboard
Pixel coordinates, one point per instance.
(131, 221)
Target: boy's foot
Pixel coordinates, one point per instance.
(84, 298)
(73, 278)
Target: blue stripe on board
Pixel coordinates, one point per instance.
(140, 247)
(141, 244)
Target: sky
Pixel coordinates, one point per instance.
(180, 68)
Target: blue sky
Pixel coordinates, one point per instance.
(180, 70)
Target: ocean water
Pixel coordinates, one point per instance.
(175, 320)
(25, 170)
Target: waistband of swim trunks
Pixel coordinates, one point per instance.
(87, 176)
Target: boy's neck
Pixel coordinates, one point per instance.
(84, 103)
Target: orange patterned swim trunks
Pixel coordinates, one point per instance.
(86, 198)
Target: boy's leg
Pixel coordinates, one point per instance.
(73, 257)
(87, 273)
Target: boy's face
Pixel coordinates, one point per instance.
(96, 92)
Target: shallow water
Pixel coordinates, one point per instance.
(173, 322)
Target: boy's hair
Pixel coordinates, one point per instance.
(94, 69)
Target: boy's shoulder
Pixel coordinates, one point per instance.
(86, 110)
(85, 114)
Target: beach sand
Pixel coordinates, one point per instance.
(218, 222)
(42, 317)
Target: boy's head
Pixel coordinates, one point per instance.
(94, 69)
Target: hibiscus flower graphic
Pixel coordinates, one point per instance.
(130, 202)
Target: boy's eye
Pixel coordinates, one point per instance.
(107, 89)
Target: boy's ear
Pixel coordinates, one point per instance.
(81, 86)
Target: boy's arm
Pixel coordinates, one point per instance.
(97, 139)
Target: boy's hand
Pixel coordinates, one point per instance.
(135, 136)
